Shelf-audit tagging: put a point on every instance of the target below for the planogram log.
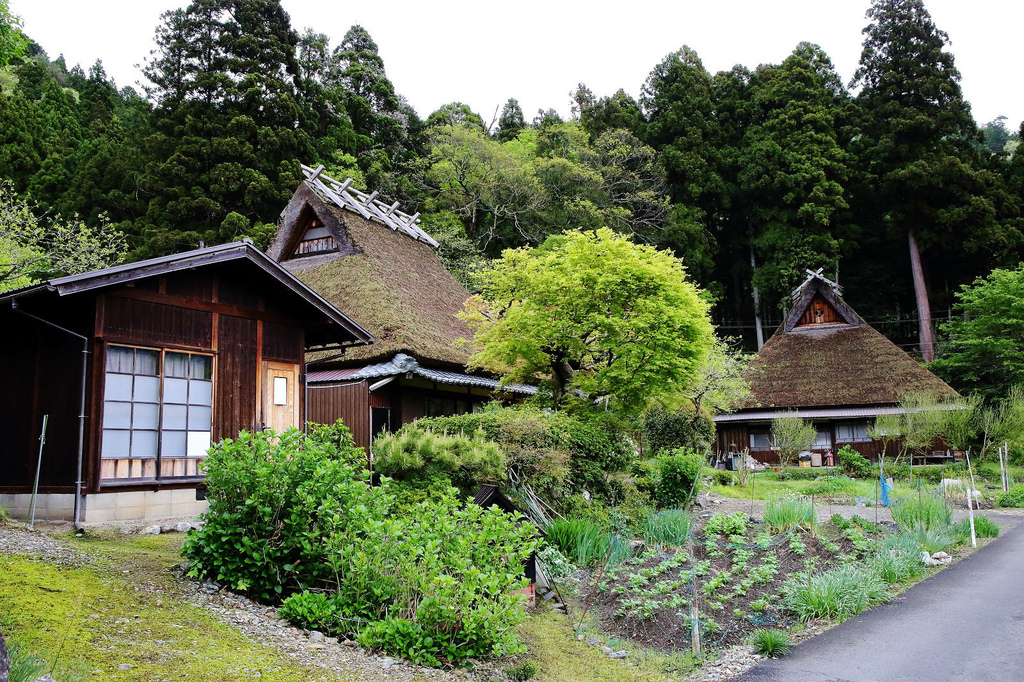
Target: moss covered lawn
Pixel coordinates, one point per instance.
(123, 617)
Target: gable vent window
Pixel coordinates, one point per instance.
(316, 240)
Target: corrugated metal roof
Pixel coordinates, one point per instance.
(816, 413)
(404, 364)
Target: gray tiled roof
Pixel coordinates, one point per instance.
(405, 364)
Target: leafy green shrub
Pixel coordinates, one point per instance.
(898, 472)
(926, 510)
(1014, 498)
(832, 485)
(854, 464)
(719, 476)
(772, 643)
(836, 594)
(556, 454)
(288, 515)
(421, 457)
(317, 611)
(668, 527)
(556, 565)
(274, 499)
(676, 475)
(983, 528)
(789, 512)
(673, 429)
(726, 524)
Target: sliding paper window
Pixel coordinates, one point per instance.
(157, 413)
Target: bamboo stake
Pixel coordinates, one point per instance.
(694, 609)
(970, 495)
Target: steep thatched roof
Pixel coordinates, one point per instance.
(389, 282)
(842, 361)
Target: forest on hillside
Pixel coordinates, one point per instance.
(749, 175)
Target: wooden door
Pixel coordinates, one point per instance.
(281, 406)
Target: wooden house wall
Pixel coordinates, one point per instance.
(735, 437)
(237, 370)
(41, 370)
(349, 402)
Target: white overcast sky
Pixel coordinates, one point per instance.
(482, 53)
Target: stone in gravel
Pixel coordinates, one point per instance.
(350, 642)
(387, 663)
(151, 530)
(211, 588)
(331, 640)
(618, 654)
(125, 666)
(183, 527)
(316, 635)
(607, 650)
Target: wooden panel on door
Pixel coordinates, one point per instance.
(280, 396)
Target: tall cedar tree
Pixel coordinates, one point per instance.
(371, 102)
(230, 134)
(919, 144)
(681, 125)
(511, 121)
(794, 169)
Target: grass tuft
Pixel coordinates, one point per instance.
(923, 510)
(789, 512)
(837, 594)
(669, 527)
(771, 642)
(983, 528)
(586, 543)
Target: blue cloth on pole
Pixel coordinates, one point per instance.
(885, 490)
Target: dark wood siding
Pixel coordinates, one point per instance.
(155, 324)
(194, 285)
(282, 343)
(237, 368)
(348, 402)
(41, 375)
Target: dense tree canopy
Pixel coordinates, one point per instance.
(748, 176)
(983, 351)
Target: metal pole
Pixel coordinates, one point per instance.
(81, 408)
(39, 466)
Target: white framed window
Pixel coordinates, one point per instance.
(823, 440)
(157, 413)
(761, 441)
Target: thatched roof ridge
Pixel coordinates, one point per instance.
(837, 365)
(388, 282)
(844, 363)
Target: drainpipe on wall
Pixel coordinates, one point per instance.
(81, 406)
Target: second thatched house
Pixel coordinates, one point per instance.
(374, 260)
(826, 364)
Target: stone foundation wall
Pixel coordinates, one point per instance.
(136, 505)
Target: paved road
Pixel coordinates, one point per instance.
(965, 623)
